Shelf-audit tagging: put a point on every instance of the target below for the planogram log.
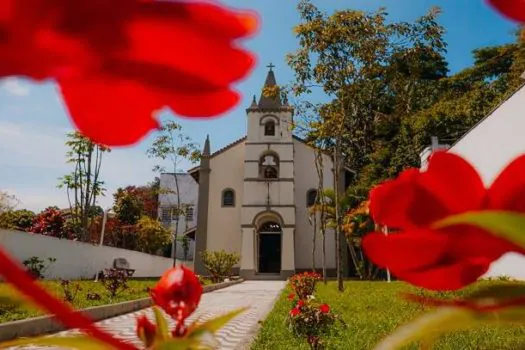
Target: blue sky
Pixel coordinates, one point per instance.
(33, 121)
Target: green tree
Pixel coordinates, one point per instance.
(127, 207)
(151, 235)
(83, 184)
(17, 219)
(172, 146)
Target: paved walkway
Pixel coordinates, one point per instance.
(259, 296)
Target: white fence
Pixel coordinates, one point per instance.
(75, 260)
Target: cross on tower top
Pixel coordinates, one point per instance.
(270, 66)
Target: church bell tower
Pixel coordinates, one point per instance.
(268, 208)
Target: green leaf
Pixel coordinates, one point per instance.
(80, 342)
(163, 331)
(213, 325)
(447, 319)
(504, 224)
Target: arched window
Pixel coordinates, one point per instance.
(269, 128)
(311, 196)
(269, 166)
(228, 198)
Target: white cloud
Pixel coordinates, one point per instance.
(14, 87)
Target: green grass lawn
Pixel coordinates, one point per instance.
(137, 289)
(371, 310)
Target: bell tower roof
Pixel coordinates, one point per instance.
(266, 103)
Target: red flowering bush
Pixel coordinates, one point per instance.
(311, 320)
(49, 222)
(427, 252)
(303, 284)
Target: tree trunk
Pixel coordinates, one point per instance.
(314, 234)
(320, 200)
(178, 212)
(338, 261)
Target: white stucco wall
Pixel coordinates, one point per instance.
(306, 178)
(490, 146)
(75, 260)
(224, 223)
(189, 194)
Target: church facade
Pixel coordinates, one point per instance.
(254, 196)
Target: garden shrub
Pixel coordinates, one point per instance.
(37, 267)
(310, 320)
(303, 284)
(70, 290)
(115, 281)
(219, 264)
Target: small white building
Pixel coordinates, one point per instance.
(189, 193)
(490, 146)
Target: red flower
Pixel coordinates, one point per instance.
(118, 62)
(178, 292)
(300, 304)
(324, 308)
(294, 312)
(146, 330)
(512, 9)
(449, 258)
(291, 296)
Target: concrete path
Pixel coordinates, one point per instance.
(259, 296)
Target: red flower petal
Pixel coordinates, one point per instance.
(454, 182)
(294, 312)
(415, 199)
(471, 242)
(146, 54)
(178, 292)
(406, 250)
(446, 277)
(397, 203)
(508, 190)
(110, 112)
(146, 330)
(324, 308)
(512, 9)
(16, 275)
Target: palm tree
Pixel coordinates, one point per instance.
(354, 224)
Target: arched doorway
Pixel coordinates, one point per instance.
(269, 246)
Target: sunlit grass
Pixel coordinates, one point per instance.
(137, 290)
(371, 310)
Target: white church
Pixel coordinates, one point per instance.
(254, 194)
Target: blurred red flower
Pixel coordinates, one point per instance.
(512, 9)
(118, 62)
(452, 257)
(178, 292)
(291, 296)
(294, 312)
(324, 308)
(146, 330)
(300, 304)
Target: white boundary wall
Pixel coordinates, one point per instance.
(75, 260)
(490, 146)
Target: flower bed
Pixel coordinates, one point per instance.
(372, 310)
(87, 296)
(90, 294)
